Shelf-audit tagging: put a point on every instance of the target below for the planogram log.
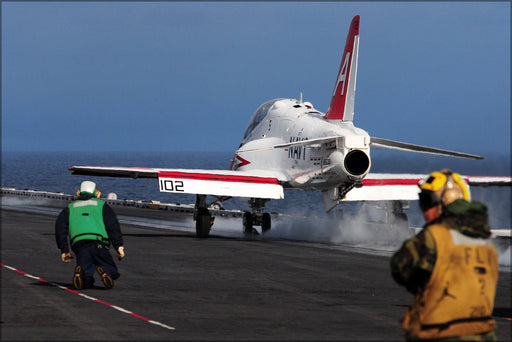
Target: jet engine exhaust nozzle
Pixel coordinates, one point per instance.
(357, 162)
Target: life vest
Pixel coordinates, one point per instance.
(86, 221)
(459, 297)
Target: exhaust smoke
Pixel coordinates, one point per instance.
(362, 227)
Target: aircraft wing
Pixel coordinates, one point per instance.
(389, 187)
(257, 184)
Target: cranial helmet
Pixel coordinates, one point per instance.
(442, 188)
(88, 187)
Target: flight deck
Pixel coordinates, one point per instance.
(174, 286)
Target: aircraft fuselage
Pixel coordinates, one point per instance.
(309, 165)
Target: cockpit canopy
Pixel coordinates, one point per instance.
(258, 116)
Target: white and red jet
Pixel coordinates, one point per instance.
(288, 144)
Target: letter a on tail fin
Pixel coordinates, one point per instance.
(342, 103)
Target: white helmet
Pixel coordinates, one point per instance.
(88, 187)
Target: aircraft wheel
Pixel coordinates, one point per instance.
(247, 222)
(217, 206)
(265, 222)
(203, 223)
(401, 221)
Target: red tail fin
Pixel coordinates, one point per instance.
(342, 103)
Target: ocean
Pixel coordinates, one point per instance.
(48, 171)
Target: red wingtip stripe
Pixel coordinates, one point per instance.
(376, 182)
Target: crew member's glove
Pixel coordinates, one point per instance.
(66, 257)
(120, 252)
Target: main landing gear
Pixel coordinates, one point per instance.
(396, 216)
(257, 217)
(390, 215)
(204, 221)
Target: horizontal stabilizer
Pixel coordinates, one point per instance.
(397, 145)
(310, 143)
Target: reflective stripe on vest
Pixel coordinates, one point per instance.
(459, 297)
(86, 221)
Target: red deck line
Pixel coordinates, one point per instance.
(88, 297)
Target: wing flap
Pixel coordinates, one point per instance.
(227, 184)
(390, 187)
(387, 187)
(489, 180)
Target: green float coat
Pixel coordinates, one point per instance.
(86, 221)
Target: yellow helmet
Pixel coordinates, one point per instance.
(442, 187)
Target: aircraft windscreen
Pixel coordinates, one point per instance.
(258, 116)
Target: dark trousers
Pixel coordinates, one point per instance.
(89, 255)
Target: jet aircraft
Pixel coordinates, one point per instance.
(288, 144)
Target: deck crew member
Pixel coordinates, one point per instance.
(451, 265)
(92, 226)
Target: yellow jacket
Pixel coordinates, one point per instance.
(459, 297)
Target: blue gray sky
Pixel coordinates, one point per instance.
(187, 76)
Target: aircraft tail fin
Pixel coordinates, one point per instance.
(342, 102)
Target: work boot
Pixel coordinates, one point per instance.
(78, 278)
(105, 277)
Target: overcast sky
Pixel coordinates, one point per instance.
(172, 76)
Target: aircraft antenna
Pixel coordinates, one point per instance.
(300, 101)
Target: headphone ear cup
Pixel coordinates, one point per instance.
(464, 187)
(451, 195)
